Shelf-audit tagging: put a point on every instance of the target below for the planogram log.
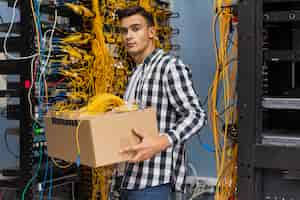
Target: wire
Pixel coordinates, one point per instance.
(37, 17)
(222, 100)
(77, 138)
(51, 37)
(215, 43)
(35, 174)
(7, 146)
(51, 182)
(205, 146)
(43, 68)
(61, 166)
(44, 181)
(194, 171)
(44, 65)
(8, 33)
(29, 92)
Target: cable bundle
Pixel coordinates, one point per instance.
(222, 100)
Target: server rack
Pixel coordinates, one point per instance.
(24, 46)
(269, 100)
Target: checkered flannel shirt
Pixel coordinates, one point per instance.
(162, 81)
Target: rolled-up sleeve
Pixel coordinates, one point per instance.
(190, 116)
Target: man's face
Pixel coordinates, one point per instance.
(136, 34)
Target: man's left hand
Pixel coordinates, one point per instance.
(148, 148)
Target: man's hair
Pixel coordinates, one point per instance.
(127, 12)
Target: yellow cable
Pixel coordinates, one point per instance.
(77, 138)
(36, 27)
(225, 77)
(61, 166)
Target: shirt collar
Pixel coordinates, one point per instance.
(150, 56)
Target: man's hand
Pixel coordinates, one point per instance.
(149, 146)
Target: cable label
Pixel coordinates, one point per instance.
(64, 122)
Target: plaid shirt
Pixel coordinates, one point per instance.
(165, 83)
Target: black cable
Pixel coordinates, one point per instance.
(7, 146)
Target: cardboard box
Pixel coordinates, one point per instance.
(101, 136)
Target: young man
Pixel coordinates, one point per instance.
(162, 81)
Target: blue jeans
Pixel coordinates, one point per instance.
(161, 192)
